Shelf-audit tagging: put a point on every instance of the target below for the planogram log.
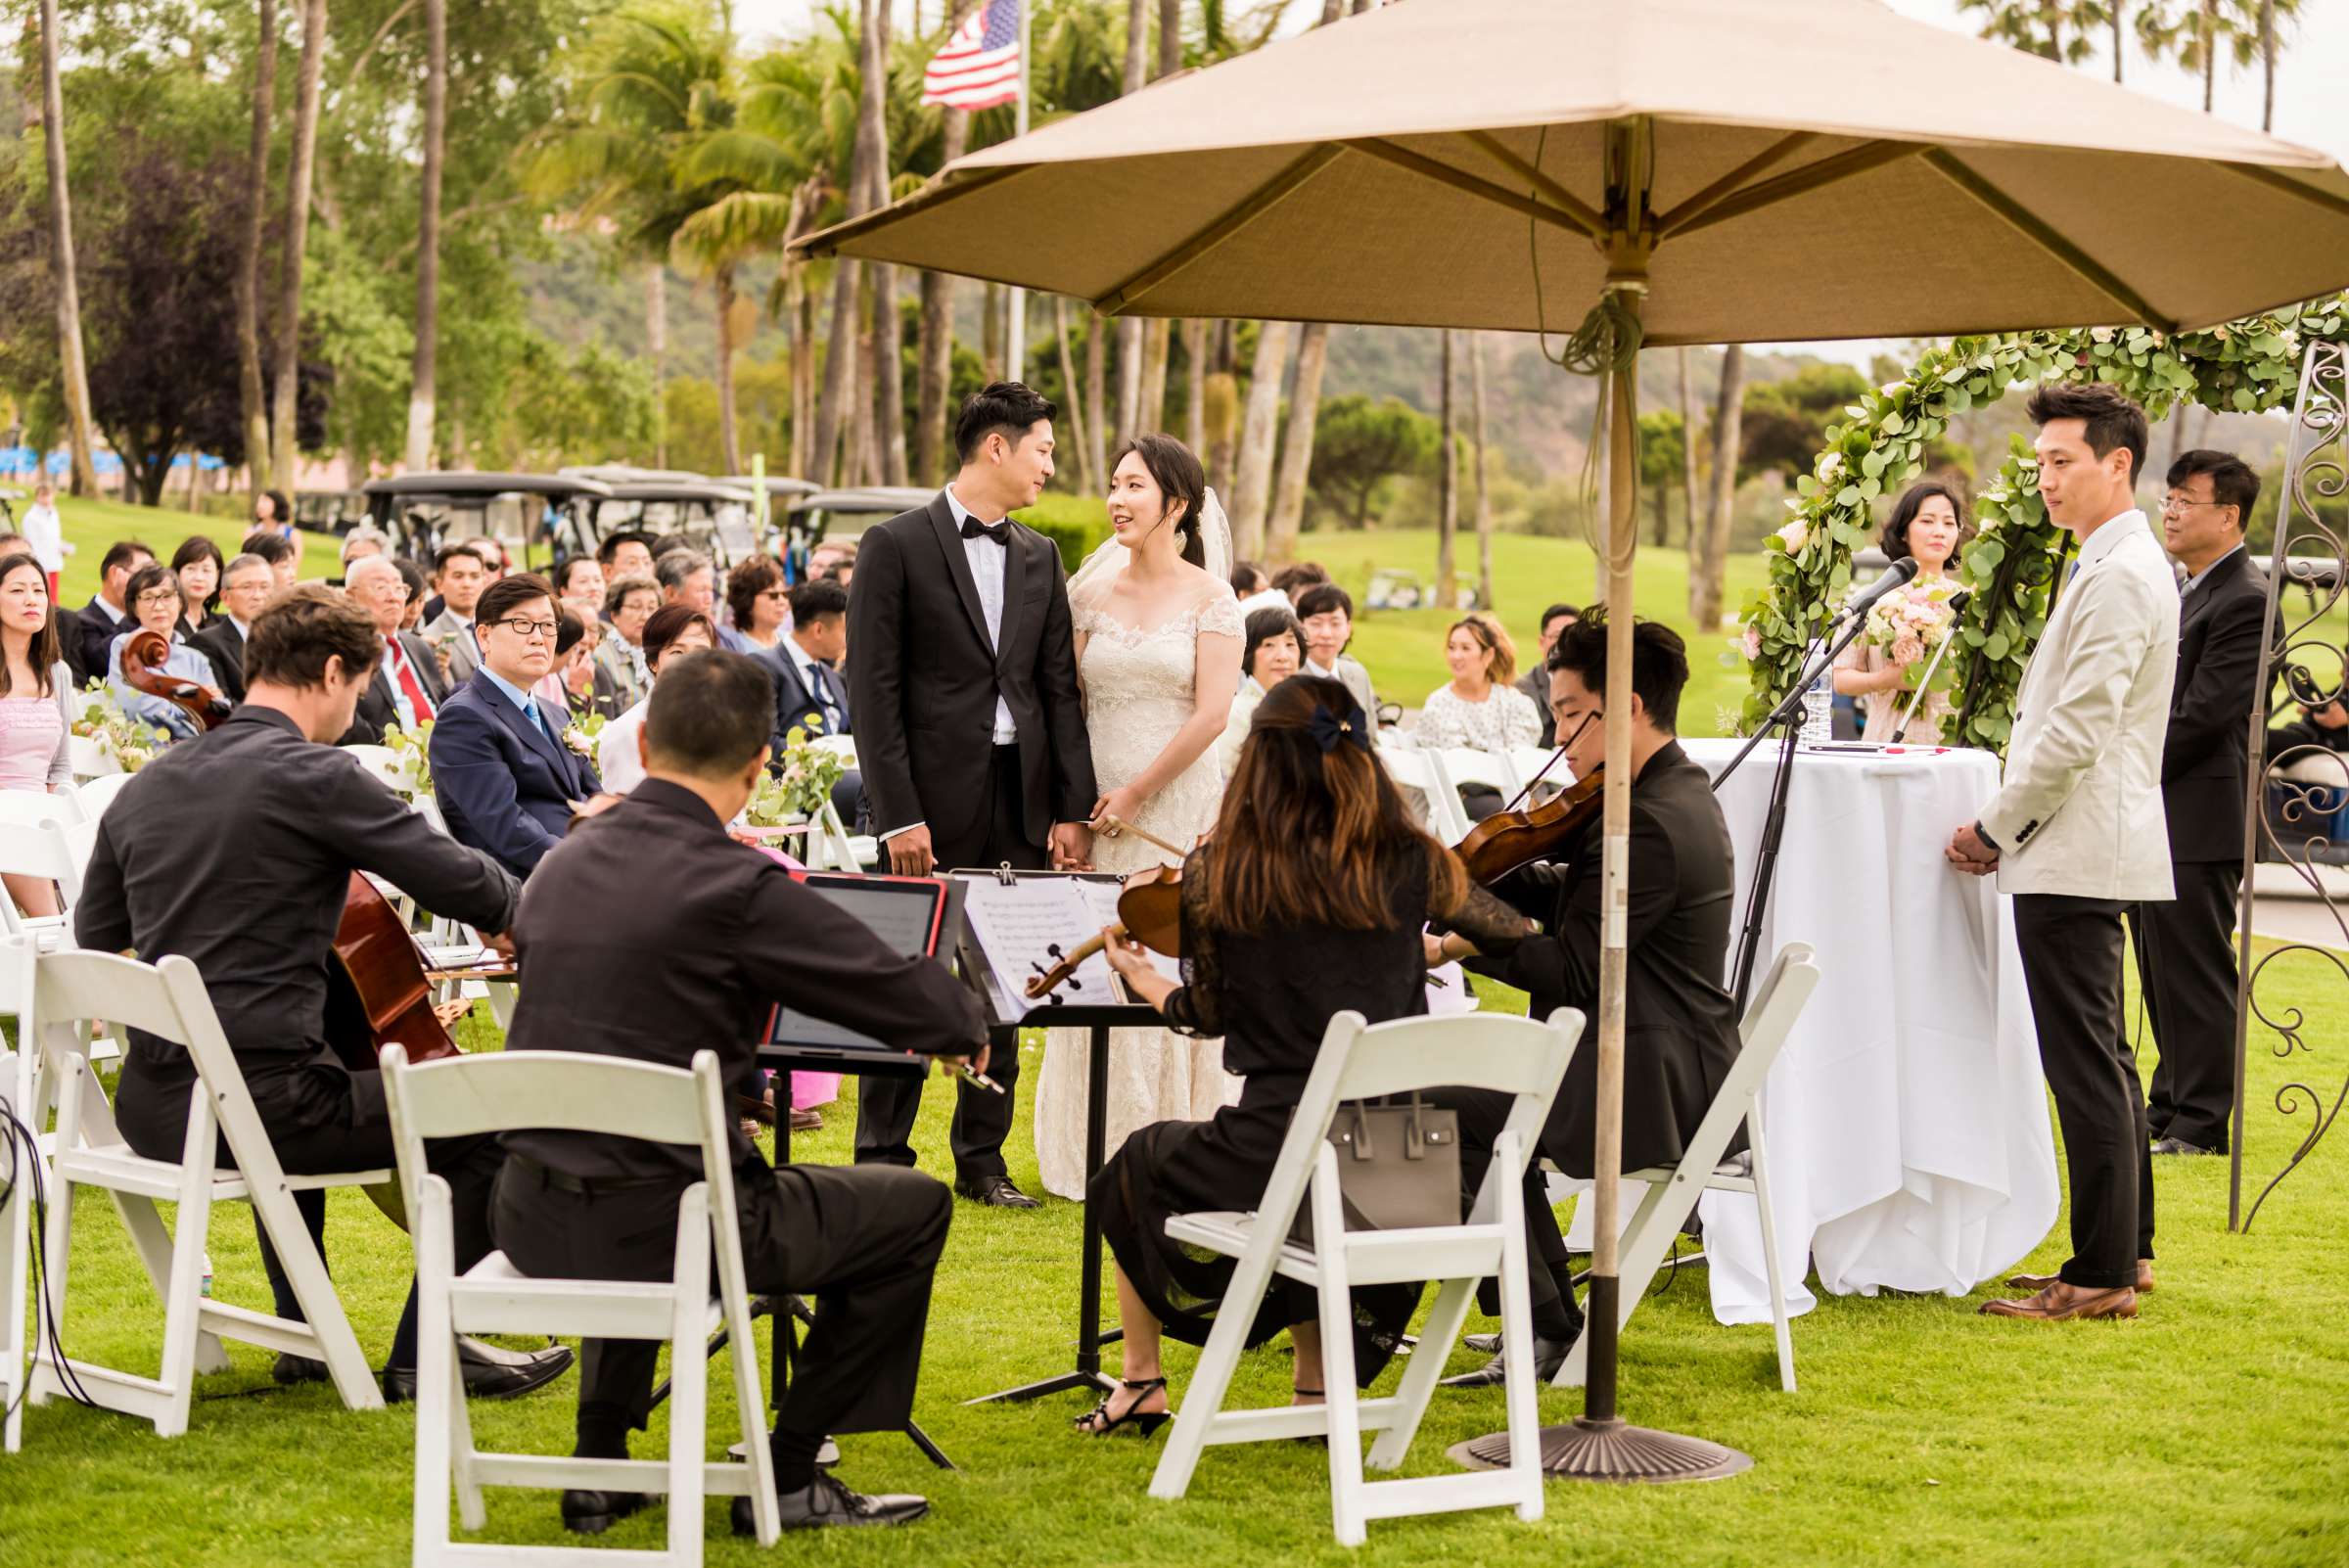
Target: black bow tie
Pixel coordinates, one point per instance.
(994, 532)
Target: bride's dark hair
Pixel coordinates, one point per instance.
(1180, 477)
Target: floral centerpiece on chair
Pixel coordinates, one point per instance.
(799, 788)
(413, 748)
(130, 743)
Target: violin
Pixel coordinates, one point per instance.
(1149, 911)
(1508, 840)
(142, 670)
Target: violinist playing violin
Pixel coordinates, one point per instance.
(236, 849)
(1308, 899)
(1681, 1025)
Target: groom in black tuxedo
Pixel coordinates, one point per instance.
(962, 672)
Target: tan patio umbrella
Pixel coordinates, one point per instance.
(1710, 171)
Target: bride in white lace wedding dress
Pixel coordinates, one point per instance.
(1158, 653)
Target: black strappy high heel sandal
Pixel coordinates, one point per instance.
(1098, 1422)
(1314, 1437)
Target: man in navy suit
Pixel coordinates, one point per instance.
(505, 780)
(809, 694)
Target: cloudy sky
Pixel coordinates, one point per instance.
(2311, 105)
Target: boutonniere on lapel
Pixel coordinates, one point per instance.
(579, 742)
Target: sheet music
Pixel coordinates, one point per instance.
(1022, 926)
(1103, 897)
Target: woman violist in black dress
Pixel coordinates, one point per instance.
(1308, 899)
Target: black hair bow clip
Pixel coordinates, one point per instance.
(1328, 729)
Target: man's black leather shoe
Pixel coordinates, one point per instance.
(827, 1503)
(1548, 1356)
(996, 1192)
(484, 1379)
(1481, 1343)
(292, 1368)
(592, 1514)
(2181, 1146)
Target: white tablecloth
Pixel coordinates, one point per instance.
(1905, 1121)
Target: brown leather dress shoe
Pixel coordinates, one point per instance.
(2145, 1278)
(2063, 1303)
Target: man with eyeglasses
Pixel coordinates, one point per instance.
(407, 690)
(246, 586)
(506, 778)
(2186, 948)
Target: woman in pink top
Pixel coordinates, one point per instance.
(35, 687)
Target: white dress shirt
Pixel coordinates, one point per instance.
(818, 687)
(986, 571)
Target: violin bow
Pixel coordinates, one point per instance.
(1543, 771)
(1114, 826)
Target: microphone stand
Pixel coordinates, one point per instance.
(1925, 682)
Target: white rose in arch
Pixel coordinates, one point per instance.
(1794, 535)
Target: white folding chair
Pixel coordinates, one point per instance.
(88, 759)
(1528, 761)
(1358, 1061)
(1413, 768)
(1673, 1189)
(98, 794)
(23, 1171)
(383, 763)
(47, 851)
(63, 807)
(169, 1001)
(1465, 766)
(466, 1096)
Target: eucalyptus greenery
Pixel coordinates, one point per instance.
(2012, 564)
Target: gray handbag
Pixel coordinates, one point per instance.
(1398, 1168)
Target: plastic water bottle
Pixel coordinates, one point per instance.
(203, 1286)
(1819, 714)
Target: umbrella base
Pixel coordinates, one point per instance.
(1611, 1451)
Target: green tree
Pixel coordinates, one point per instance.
(1784, 421)
(1663, 453)
(1360, 444)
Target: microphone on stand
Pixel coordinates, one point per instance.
(1895, 576)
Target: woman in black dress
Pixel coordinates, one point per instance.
(1308, 899)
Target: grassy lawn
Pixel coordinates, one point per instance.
(2208, 1431)
(92, 525)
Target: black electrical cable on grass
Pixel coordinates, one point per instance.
(23, 1148)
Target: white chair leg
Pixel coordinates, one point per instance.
(1210, 1381)
(1517, 1349)
(183, 1294)
(435, 1382)
(750, 1404)
(1339, 1395)
(688, 1383)
(1421, 1371)
(321, 1306)
(1781, 1325)
(1574, 1371)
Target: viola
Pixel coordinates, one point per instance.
(1149, 911)
(142, 670)
(1508, 840)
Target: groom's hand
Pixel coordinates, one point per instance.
(1071, 847)
(910, 852)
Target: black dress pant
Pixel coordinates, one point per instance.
(864, 1242)
(2071, 949)
(886, 1105)
(2185, 967)
(1483, 1113)
(321, 1117)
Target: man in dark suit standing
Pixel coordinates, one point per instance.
(809, 694)
(503, 774)
(246, 585)
(963, 671)
(407, 690)
(1680, 1024)
(651, 935)
(2185, 948)
(107, 615)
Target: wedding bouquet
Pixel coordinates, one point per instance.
(1909, 624)
(800, 789)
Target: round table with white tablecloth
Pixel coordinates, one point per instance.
(1906, 1121)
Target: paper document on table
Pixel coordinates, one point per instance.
(1025, 928)
(1103, 897)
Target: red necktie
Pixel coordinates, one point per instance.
(417, 701)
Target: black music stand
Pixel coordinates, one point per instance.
(1099, 1018)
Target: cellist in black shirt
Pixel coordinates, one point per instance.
(650, 933)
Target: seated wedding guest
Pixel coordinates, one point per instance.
(244, 841)
(198, 563)
(1479, 710)
(1292, 581)
(1535, 682)
(1928, 525)
(588, 690)
(1310, 898)
(809, 693)
(459, 575)
(832, 561)
(1255, 590)
(1325, 613)
(36, 703)
(155, 602)
(579, 582)
(687, 578)
(759, 604)
(420, 588)
(724, 934)
(504, 774)
(1271, 649)
(628, 603)
(108, 614)
(407, 690)
(247, 584)
(1681, 1025)
(362, 541)
(273, 546)
(627, 553)
(672, 633)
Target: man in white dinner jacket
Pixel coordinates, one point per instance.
(2076, 835)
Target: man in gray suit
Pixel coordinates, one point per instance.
(459, 575)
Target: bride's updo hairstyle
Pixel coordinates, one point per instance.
(1311, 826)
(1182, 479)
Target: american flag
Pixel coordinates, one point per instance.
(980, 66)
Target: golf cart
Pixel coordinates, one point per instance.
(1390, 589)
(844, 515)
(423, 512)
(720, 520)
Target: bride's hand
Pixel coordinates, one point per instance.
(1122, 802)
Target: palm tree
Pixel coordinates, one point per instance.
(1706, 571)
(1131, 416)
(934, 358)
(422, 392)
(1447, 487)
(1483, 490)
(1252, 472)
(73, 368)
(2053, 29)
(253, 398)
(298, 229)
(2197, 36)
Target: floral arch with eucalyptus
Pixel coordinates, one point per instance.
(2244, 366)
